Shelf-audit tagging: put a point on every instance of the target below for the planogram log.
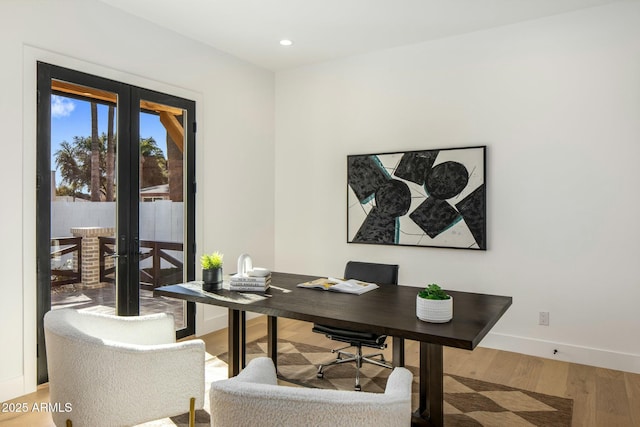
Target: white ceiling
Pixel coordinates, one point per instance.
(328, 29)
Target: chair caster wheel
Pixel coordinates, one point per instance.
(358, 388)
(320, 375)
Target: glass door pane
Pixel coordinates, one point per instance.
(113, 206)
(162, 208)
(83, 197)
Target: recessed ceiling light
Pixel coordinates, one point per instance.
(286, 42)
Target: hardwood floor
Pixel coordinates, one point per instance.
(601, 397)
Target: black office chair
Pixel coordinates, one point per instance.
(381, 274)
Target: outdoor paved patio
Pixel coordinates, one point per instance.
(102, 300)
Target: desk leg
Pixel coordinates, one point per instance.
(236, 341)
(272, 339)
(431, 404)
(398, 351)
(243, 339)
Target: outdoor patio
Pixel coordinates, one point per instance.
(103, 300)
(83, 273)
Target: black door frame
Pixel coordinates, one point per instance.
(189, 241)
(128, 125)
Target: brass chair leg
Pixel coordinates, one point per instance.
(192, 412)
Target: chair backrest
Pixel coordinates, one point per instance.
(381, 274)
(254, 398)
(93, 327)
(97, 362)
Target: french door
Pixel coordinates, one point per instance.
(115, 198)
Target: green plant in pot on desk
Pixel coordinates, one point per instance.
(212, 271)
(434, 305)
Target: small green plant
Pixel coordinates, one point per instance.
(210, 262)
(433, 291)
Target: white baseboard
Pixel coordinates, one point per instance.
(12, 388)
(210, 319)
(565, 352)
(541, 348)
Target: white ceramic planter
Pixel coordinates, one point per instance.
(434, 311)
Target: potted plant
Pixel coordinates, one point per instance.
(212, 271)
(434, 305)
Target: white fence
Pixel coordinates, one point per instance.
(161, 220)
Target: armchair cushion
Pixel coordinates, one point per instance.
(117, 371)
(254, 398)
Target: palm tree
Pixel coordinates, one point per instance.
(153, 164)
(110, 196)
(149, 148)
(64, 190)
(76, 163)
(67, 161)
(95, 155)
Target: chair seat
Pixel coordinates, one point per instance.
(368, 339)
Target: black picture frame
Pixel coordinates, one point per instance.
(427, 198)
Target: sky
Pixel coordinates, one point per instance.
(72, 117)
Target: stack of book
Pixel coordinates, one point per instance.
(248, 283)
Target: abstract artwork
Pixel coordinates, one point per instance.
(431, 198)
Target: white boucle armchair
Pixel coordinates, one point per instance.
(120, 371)
(254, 398)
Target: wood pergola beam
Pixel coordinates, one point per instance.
(106, 96)
(174, 129)
(168, 115)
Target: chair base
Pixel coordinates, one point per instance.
(358, 358)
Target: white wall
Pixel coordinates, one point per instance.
(235, 125)
(557, 102)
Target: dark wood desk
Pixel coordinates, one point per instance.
(388, 310)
